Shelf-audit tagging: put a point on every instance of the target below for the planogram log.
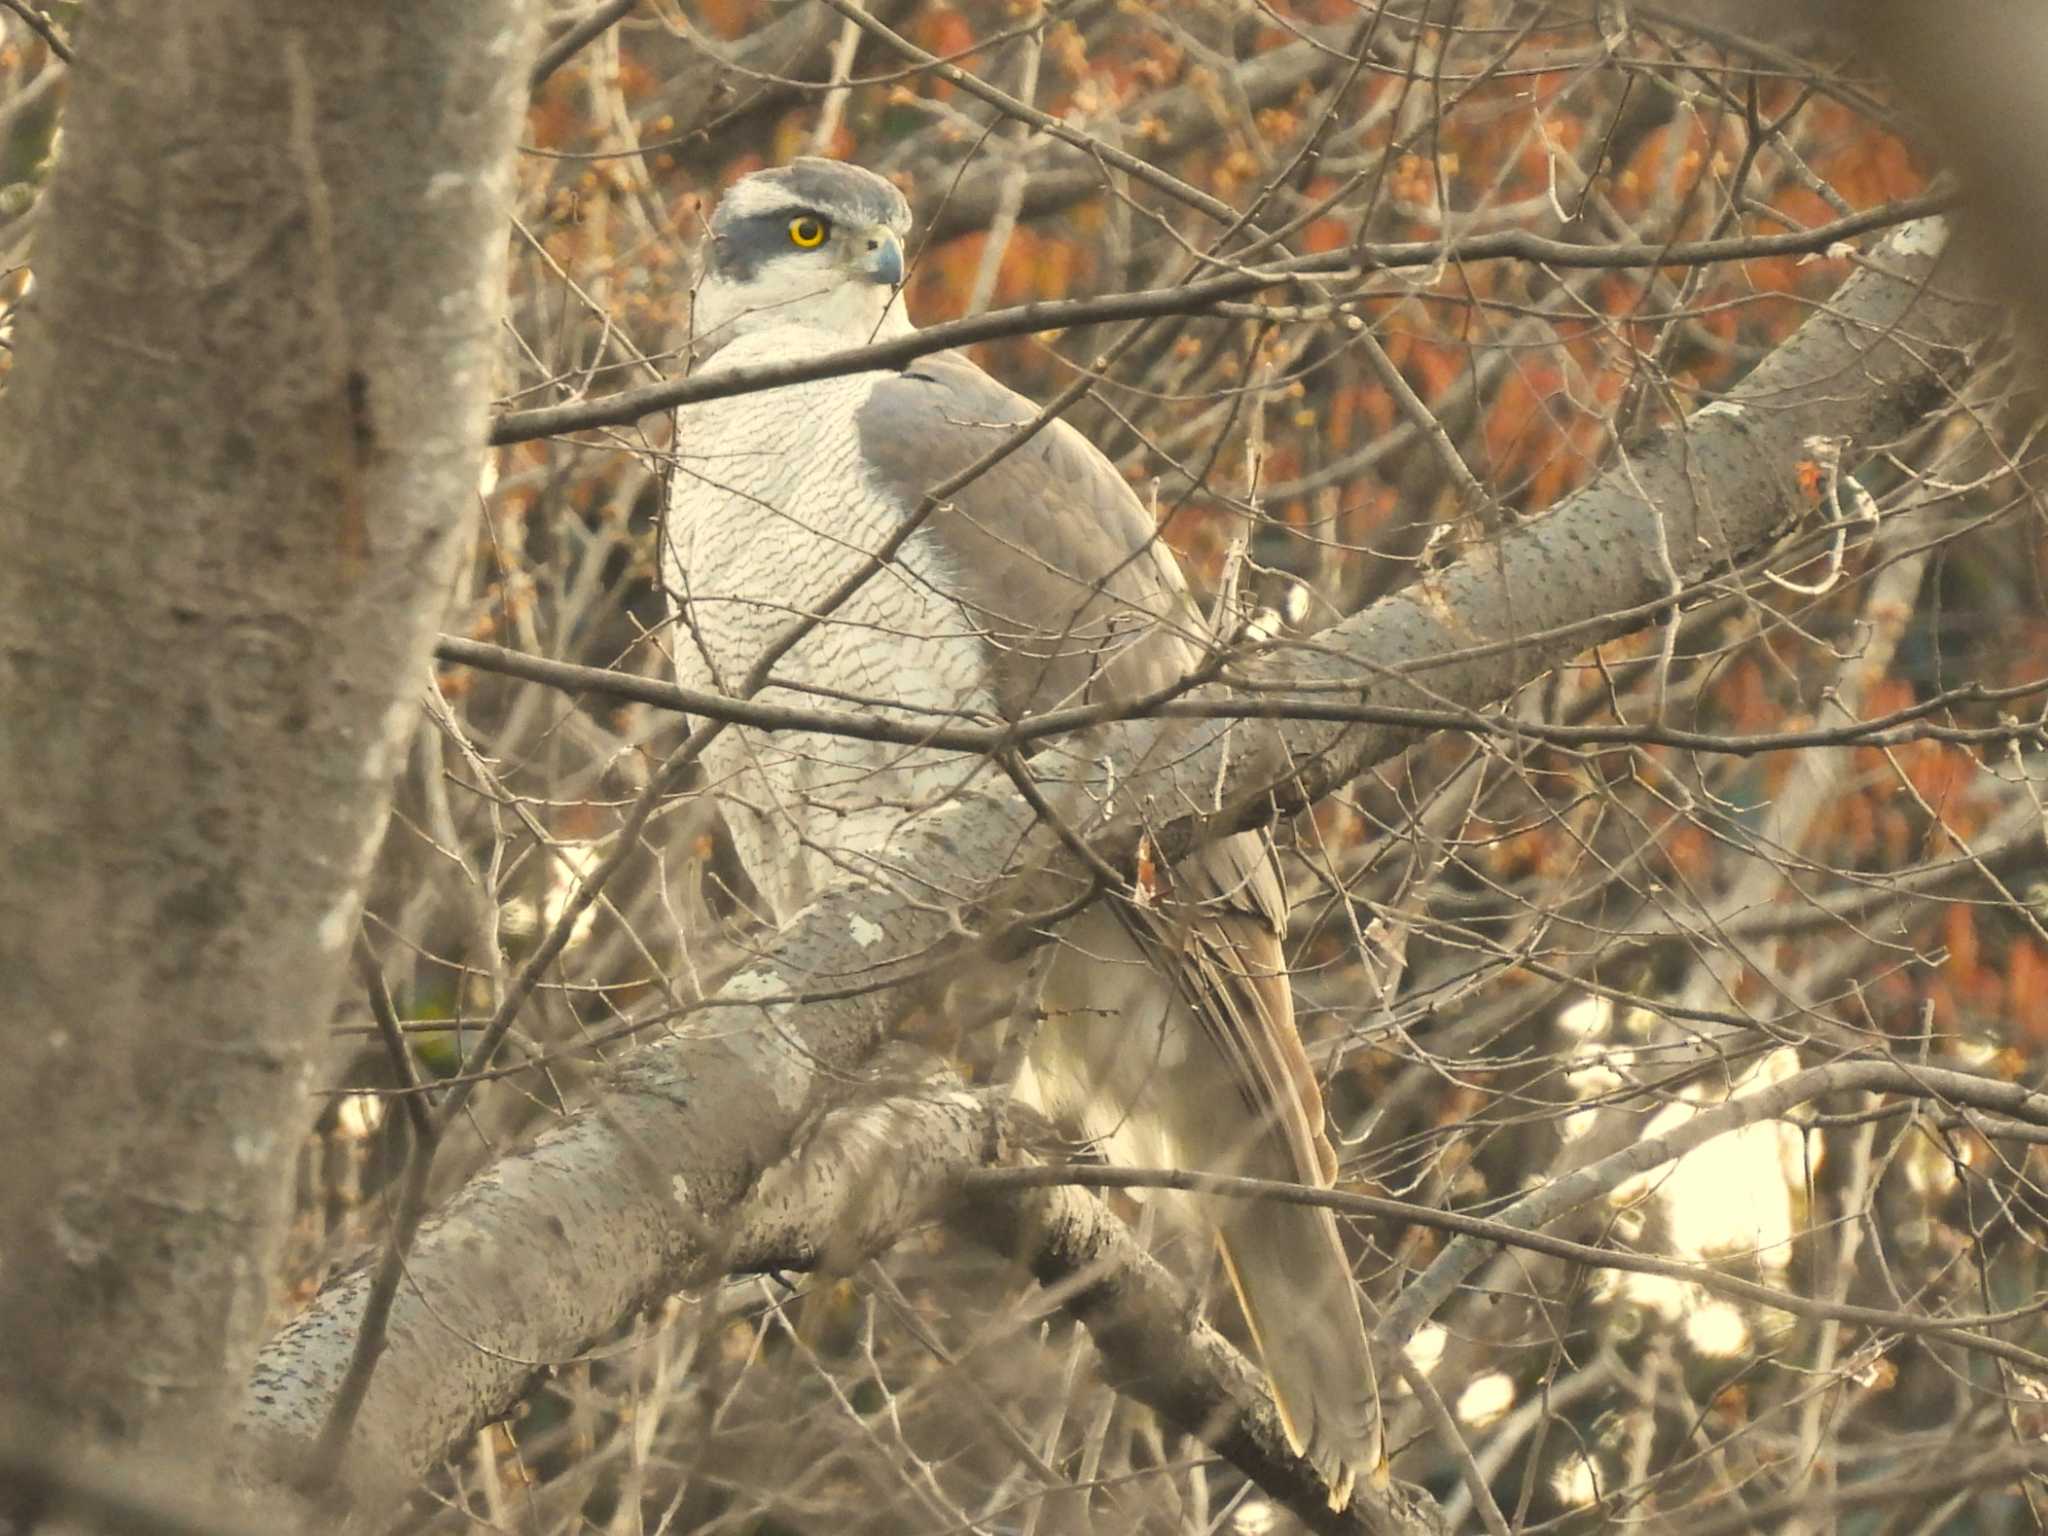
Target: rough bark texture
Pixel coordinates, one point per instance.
(237, 462)
(631, 1199)
(1876, 361)
(555, 1245)
(1158, 1351)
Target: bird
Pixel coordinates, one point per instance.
(1166, 1033)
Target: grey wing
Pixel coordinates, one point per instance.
(1056, 561)
(1050, 553)
(1060, 566)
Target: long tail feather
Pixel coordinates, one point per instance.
(1289, 1272)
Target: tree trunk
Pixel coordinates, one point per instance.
(238, 456)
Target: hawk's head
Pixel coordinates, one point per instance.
(813, 243)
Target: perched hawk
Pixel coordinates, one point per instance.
(1169, 1029)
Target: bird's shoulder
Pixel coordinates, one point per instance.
(943, 412)
(1055, 501)
(1054, 557)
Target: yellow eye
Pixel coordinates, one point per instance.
(807, 232)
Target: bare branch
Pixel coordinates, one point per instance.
(628, 406)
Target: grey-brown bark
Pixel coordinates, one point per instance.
(237, 462)
(640, 1193)
(1156, 1349)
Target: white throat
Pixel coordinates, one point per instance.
(851, 312)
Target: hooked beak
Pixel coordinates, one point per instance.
(881, 255)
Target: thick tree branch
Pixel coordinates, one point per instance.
(555, 1247)
(1155, 1350)
(1874, 362)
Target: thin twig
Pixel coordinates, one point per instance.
(43, 27)
(1188, 298)
(571, 42)
(1907, 724)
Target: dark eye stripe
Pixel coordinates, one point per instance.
(742, 247)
